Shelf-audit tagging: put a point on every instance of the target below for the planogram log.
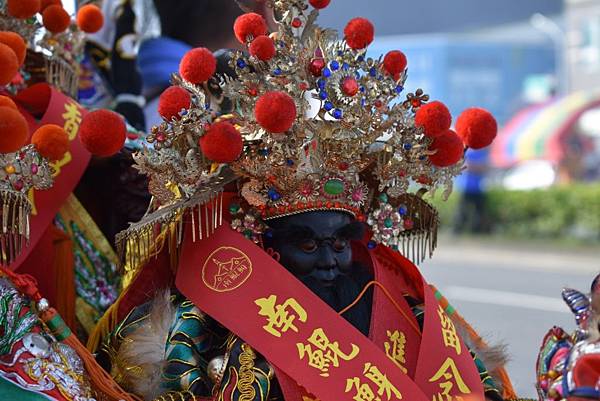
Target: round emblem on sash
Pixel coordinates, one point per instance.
(226, 268)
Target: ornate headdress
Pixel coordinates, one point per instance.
(20, 172)
(316, 124)
(54, 42)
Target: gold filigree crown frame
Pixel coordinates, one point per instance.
(20, 173)
(353, 146)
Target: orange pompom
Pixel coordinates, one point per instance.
(103, 132)
(198, 65)
(448, 148)
(434, 118)
(222, 143)
(394, 63)
(9, 65)
(262, 48)
(90, 18)
(51, 141)
(23, 8)
(56, 19)
(16, 43)
(476, 127)
(5, 101)
(172, 101)
(46, 3)
(275, 111)
(359, 33)
(249, 26)
(13, 130)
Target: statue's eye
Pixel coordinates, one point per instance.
(309, 245)
(339, 244)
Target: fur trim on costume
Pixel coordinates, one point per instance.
(494, 357)
(142, 353)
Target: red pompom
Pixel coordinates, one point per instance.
(249, 26)
(9, 64)
(222, 143)
(198, 65)
(5, 101)
(23, 8)
(434, 117)
(275, 111)
(16, 43)
(449, 149)
(394, 63)
(359, 33)
(56, 19)
(46, 3)
(90, 18)
(13, 130)
(102, 132)
(172, 101)
(477, 127)
(262, 48)
(319, 4)
(51, 141)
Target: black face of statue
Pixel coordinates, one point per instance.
(316, 244)
(315, 247)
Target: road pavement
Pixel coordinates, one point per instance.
(511, 293)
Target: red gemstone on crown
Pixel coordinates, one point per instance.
(316, 66)
(297, 23)
(350, 86)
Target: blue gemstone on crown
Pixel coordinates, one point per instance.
(274, 195)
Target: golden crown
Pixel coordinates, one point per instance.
(316, 124)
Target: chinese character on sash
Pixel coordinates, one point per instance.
(280, 318)
(395, 348)
(448, 378)
(379, 381)
(451, 339)
(325, 353)
(72, 117)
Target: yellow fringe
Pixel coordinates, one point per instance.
(109, 321)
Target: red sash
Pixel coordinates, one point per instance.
(61, 110)
(246, 290)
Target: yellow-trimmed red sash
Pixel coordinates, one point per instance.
(246, 290)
